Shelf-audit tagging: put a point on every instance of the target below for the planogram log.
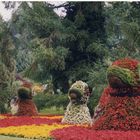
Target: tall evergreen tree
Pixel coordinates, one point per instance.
(45, 39)
(64, 48)
(7, 66)
(84, 24)
(85, 38)
(122, 27)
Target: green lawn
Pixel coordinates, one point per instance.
(53, 110)
(11, 138)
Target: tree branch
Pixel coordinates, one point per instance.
(58, 6)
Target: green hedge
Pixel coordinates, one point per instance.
(45, 101)
(94, 98)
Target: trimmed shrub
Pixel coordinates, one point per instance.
(46, 101)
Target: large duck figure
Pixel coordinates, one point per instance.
(119, 105)
(77, 111)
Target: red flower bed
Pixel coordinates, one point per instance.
(81, 133)
(31, 127)
(19, 121)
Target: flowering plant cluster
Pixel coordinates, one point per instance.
(121, 113)
(43, 127)
(127, 63)
(25, 120)
(120, 105)
(82, 133)
(119, 118)
(30, 127)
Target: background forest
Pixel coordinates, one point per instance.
(47, 48)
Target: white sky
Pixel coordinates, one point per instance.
(6, 14)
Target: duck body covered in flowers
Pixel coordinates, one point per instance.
(24, 104)
(119, 105)
(77, 111)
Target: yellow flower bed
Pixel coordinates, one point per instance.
(35, 128)
(32, 131)
(2, 117)
(47, 117)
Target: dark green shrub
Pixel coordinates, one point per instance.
(94, 98)
(45, 101)
(4, 96)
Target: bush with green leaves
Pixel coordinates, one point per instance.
(45, 101)
(7, 66)
(97, 74)
(95, 96)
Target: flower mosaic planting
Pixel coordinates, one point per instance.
(30, 127)
(40, 127)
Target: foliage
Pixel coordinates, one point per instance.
(53, 110)
(63, 45)
(45, 42)
(122, 27)
(21, 35)
(97, 75)
(7, 66)
(85, 40)
(95, 96)
(46, 101)
(79, 46)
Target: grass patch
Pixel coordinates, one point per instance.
(53, 110)
(2, 137)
